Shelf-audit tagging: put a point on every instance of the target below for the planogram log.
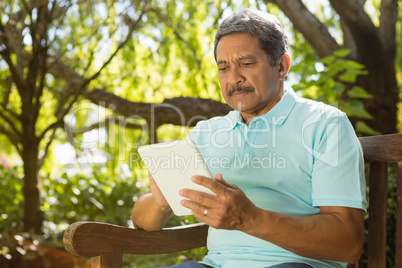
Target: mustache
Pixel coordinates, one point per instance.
(238, 88)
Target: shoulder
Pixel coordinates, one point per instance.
(311, 111)
(206, 128)
(319, 122)
(227, 121)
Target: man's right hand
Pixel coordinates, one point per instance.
(156, 193)
(151, 210)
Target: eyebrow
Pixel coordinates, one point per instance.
(240, 59)
(247, 57)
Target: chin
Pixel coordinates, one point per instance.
(241, 106)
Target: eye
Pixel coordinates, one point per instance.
(246, 64)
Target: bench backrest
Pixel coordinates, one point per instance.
(378, 152)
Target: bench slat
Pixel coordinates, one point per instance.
(377, 229)
(110, 260)
(385, 148)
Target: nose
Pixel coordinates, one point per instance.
(235, 76)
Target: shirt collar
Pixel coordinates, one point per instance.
(276, 116)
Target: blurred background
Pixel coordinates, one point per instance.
(84, 83)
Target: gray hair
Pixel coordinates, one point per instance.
(266, 27)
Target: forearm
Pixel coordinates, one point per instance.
(324, 236)
(148, 215)
(337, 233)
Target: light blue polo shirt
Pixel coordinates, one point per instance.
(297, 157)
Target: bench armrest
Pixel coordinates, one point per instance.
(90, 239)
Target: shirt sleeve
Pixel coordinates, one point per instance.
(338, 177)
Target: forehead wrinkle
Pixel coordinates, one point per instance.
(239, 59)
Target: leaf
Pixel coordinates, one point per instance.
(351, 64)
(355, 108)
(339, 65)
(342, 53)
(328, 60)
(352, 70)
(348, 77)
(359, 92)
(364, 128)
(338, 88)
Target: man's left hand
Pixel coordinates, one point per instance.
(229, 209)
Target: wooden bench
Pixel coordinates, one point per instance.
(105, 243)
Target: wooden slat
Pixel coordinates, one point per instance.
(377, 232)
(110, 260)
(92, 239)
(384, 148)
(398, 241)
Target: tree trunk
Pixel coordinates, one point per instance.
(33, 215)
(381, 83)
(370, 45)
(376, 50)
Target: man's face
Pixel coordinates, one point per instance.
(249, 83)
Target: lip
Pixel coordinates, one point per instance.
(240, 94)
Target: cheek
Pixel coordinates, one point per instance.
(267, 81)
(259, 82)
(222, 82)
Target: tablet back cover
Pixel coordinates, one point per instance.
(172, 165)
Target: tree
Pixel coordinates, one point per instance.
(360, 36)
(53, 53)
(371, 45)
(33, 102)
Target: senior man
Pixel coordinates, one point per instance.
(291, 189)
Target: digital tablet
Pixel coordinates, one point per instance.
(172, 164)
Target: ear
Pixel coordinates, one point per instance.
(284, 65)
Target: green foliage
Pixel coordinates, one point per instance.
(97, 198)
(171, 56)
(331, 80)
(94, 194)
(11, 200)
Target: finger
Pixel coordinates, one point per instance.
(219, 178)
(200, 212)
(150, 178)
(203, 199)
(196, 208)
(209, 183)
(205, 215)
